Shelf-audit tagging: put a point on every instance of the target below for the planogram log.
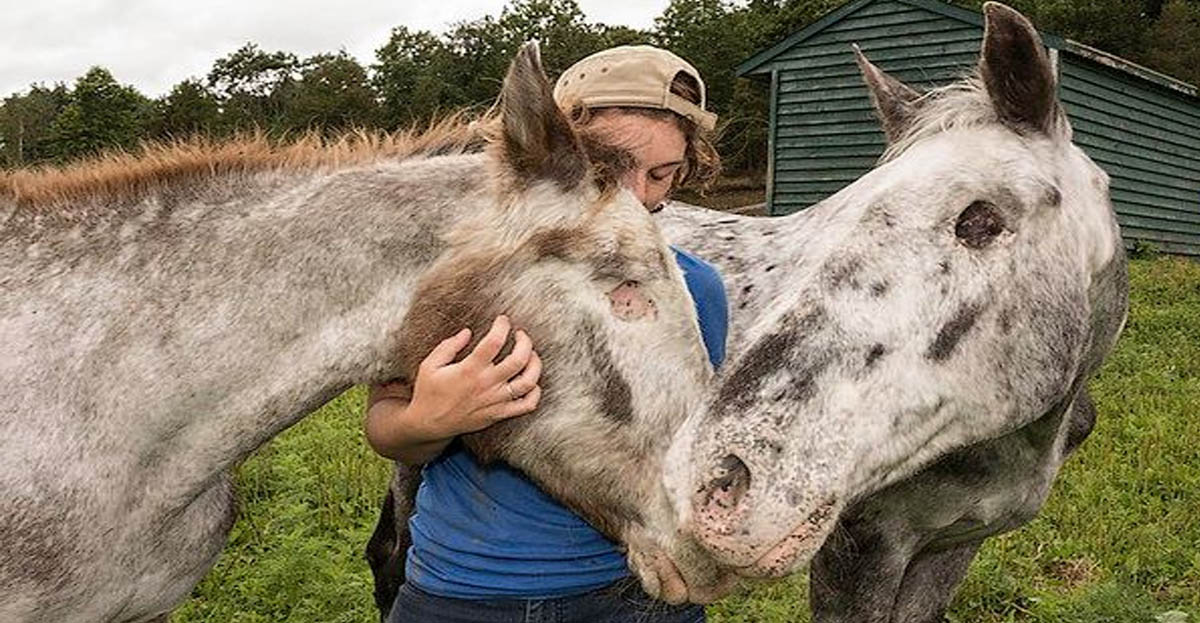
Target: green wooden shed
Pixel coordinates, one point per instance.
(1141, 126)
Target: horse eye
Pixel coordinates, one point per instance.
(979, 224)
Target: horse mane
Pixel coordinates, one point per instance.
(961, 104)
(964, 103)
(126, 175)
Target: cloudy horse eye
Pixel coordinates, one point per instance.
(979, 224)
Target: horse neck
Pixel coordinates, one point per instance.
(758, 257)
(344, 264)
(215, 326)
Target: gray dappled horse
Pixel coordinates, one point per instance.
(907, 358)
(913, 358)
(163, 316)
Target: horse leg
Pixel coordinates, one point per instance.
(389, 543)
(856, 574)
(930, 583)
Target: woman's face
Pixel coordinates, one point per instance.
(657, 145)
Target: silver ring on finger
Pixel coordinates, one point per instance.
(511, 394)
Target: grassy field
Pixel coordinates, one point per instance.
(1119, 540)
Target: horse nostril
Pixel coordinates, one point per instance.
(731, 483)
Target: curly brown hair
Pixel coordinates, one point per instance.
(702, 163)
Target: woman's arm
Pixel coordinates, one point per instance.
(413, 425)
(387, 412)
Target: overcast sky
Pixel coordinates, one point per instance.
(154, 44)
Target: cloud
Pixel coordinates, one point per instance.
(154, 44)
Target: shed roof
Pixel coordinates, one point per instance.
(760, 62)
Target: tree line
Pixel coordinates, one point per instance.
(418, 75)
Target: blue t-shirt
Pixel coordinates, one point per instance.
(487, 532)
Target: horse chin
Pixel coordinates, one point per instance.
(775, 558)
(791, 552)
(687, 574)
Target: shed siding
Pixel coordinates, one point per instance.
(824, 134)
(1148, 140)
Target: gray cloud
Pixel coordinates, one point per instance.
(155, 44)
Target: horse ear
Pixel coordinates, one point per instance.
(537, 142)
(895, 102)
(1016, 71)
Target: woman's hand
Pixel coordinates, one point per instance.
(414, 424)
(450, 399)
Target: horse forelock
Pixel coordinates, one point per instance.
(121, 175)
(960, 105)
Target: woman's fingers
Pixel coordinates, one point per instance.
(516, 361)
(443, 354)
(511, 408)
(517, 386)
(491, 343)
(525, 382)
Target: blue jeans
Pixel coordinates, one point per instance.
(623, 602)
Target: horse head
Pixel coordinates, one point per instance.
(962, 290)
(578, 263)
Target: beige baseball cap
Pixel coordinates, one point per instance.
(632, 75)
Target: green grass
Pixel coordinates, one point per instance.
(1119, 539)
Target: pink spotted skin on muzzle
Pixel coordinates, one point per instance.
(721, 508)
(795, 549)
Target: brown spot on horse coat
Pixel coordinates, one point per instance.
(609, 162)
(952, 332)
(842, 272)
(39, 549)
(739, 390)
(453, 295)
(1005, 320)
(874, 354)
(616, 398)
(558, 242)
(1053, 197)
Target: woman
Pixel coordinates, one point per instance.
(488, 545)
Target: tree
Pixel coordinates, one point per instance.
(418, 75)
(558, 25)
(770, 21)
(100, 114)
(25, 121)
(1173, 47)
(714, 36)
(414, 77)
(188, 109)
(333, 93)
(482, 53)
(612, 36)
(487, 45)
(252, 86)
